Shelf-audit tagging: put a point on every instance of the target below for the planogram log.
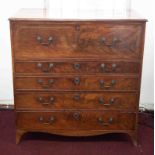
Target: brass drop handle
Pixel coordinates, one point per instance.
(105, 69)
(76, 80)
(103, 41)
(76, 97)
(101, 101)
(77, 66)
(42, 83)
(43, 69)
(41, 40)
(50, 121)
(103, 85)
(76, 116)
(44, 102)
(102, 122)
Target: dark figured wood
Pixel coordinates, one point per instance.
(76, 67)
(93, 40)
(69, 120)
(77, 100)
(76, 77)
(77, 83)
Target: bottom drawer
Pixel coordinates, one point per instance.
(87, 120)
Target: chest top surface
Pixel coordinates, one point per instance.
(76, 15)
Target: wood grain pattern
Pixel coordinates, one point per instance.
(77, 83)
(77, 100)
(75, 120)
(68, 41)
(77, 78)
(76, 67)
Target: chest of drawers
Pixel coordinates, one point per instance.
(77, 77)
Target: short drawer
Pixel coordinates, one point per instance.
(73, 67)
(76, 100)
(77, 83)
(88, 120)
(41, 40)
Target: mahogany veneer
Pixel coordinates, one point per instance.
(76, 77)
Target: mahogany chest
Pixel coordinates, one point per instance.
(76, 77)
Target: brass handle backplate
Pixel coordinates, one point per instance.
(76, 116)
(77, 66)
(77, 81)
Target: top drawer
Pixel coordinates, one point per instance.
(45, 40)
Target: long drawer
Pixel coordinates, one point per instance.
(88, 120)
(123, 83)
(76, 67)
(77, 100)
(41, 40)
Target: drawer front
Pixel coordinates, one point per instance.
(77, 83)
(55, 40)
(70, 67)
(96, 120)
(78, 100)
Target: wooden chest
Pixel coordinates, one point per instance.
(77, 77)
